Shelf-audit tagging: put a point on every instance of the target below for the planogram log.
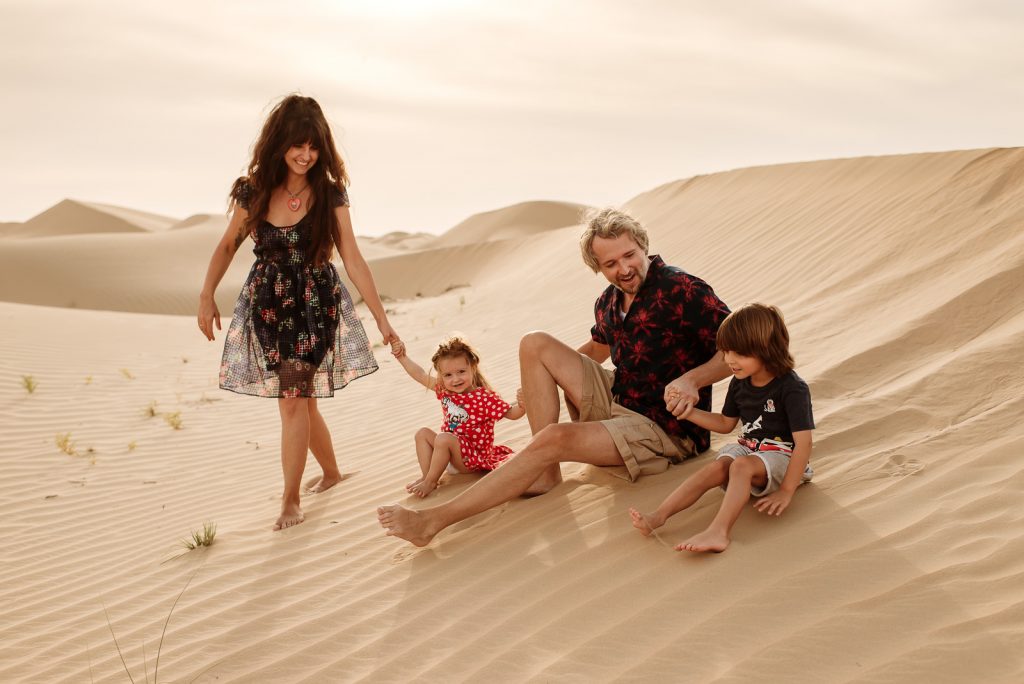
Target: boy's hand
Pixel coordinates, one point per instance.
(774, 503)
(680, 397)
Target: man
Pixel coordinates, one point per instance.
(657, 323)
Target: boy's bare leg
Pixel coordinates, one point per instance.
(294, 446)
(323, 451)
(745, 473)
(580, 442)
(446, 450)
(424, 451)
(545, 364)
(685, 495)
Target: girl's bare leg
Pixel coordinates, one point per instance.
(424, 449)
(446, 450)
(323, 450)
(685, 495)
(745, 473)
(294, 446)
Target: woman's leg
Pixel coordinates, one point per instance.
(294, 446)
(323, 450)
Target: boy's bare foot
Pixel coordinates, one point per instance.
(412, 526)
(324, 483)
(705, 541)
(645, 523)
(423, 488)
(290, 516)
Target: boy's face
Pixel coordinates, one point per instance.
(621, 261)
(743, 366)
(456, 374)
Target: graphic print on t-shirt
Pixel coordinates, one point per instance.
(456, 414)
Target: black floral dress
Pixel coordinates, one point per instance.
(294, 332)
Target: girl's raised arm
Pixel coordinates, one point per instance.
(414, 370)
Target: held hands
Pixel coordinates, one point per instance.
(681, 396)
(391, 338)
(397, 348)
(774, 503)
(208, 315)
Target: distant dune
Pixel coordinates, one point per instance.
(900, 278)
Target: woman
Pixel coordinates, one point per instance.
(294, 334)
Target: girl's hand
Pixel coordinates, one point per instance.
(520, 398)
(397, 349)
(208, 314)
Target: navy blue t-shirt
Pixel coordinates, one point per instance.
(770, 415)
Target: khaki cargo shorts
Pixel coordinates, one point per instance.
(645, 448)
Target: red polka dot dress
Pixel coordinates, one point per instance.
(470, 416)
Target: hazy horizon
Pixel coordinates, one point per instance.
(447, 108)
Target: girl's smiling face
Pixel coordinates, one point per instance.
(456, 374)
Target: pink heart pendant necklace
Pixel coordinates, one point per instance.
(294, 201)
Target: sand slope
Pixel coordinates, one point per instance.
(902, 562)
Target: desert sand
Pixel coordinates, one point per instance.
(901, 278)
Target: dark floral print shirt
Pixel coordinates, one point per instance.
(669, 329)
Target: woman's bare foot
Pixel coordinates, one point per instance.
(412, 526)
(646, 523)
(706, 541)
(423, 488)
(291, 515)
(324, 483)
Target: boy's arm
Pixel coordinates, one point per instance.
(715, 422)
(776, 502)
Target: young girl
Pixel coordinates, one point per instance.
(294, 335)
(470, 407)
(773, 405)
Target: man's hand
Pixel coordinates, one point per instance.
(681, 396)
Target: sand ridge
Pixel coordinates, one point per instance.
(900, 279)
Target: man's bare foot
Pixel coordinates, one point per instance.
(706, 541)
(644, 522)
(291, 515)
(324, 483)
(547, 481)
(424, 487)
(412, 526)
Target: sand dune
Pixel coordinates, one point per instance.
(515, 221)
(71, 217)
(902, 562)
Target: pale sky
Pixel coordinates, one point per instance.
(445, 108)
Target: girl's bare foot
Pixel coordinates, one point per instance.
(324, 483)
(645, 523)
(706, 541)
(291, 515)
(423, 488)
(415, 483)
(412, 526)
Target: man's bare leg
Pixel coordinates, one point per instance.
(545, 364)
(580, 442)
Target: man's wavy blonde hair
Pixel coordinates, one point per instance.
(609, 223)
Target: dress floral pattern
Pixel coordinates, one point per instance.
(470, 416)
(294, 332)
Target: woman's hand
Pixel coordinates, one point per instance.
(208, 315)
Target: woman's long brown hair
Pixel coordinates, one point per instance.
(296, 120)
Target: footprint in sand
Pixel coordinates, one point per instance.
(899, 465)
